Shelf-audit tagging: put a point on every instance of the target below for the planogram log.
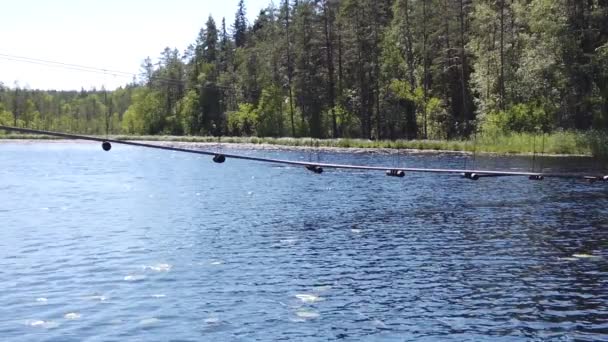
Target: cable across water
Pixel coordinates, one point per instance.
(317, 167)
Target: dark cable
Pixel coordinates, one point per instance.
(478, 173)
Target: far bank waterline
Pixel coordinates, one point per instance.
(568, 149)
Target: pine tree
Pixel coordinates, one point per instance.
(240, 25)
(210, 44)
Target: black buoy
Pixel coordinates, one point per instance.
(395, 173)
(106, 146)
(219, 158)
(537, 177)
(316, 169)
(605, 178)
(471, 176)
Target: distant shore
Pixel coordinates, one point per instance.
(329, 145)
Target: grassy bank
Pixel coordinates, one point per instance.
(560, 143)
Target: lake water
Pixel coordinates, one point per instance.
(147, 245)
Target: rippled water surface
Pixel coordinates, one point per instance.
(158, 246)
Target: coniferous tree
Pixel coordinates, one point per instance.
(240, 25)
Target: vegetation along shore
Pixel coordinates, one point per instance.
(555, 144)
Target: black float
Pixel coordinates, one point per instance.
(316, 169)
(219, 158)
(106, 146)
(395, 173)
(536, 177)
(471, 176)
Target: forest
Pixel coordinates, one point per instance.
(370, 69)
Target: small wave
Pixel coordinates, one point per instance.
(212, 321)
(97, 298)
(304, 314)
(158, 296)
(72, 316)
(379, 324)
(309, 298)
(149, 321)
(585, 256)
(159, 268)
(216, 263)
(42, 300)
(322, 288)
(37, 323)
(135, 277)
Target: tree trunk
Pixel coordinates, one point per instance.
(463, 64)
(330, 66)
(16, 107)
(289, 72)
(425, 63)
(376, 71)
(410, 108)
(502, 55)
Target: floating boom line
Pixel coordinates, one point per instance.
(317, 167)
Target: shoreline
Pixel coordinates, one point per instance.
(284, 147)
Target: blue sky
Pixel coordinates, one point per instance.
(109, 34)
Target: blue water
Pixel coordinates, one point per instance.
(149, 245)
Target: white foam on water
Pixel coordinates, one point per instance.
(159, 268)
(149, 321)
(584, 256)
(216, 263)
(212, 321)
(567, 259)
(42, 300)
(356, 231)
(305, 314)
(99, 298)
(309, 298)
(72, 316)
(135, 277)
(158, 296)
(37, 323)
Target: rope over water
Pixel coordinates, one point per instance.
(315, 167)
